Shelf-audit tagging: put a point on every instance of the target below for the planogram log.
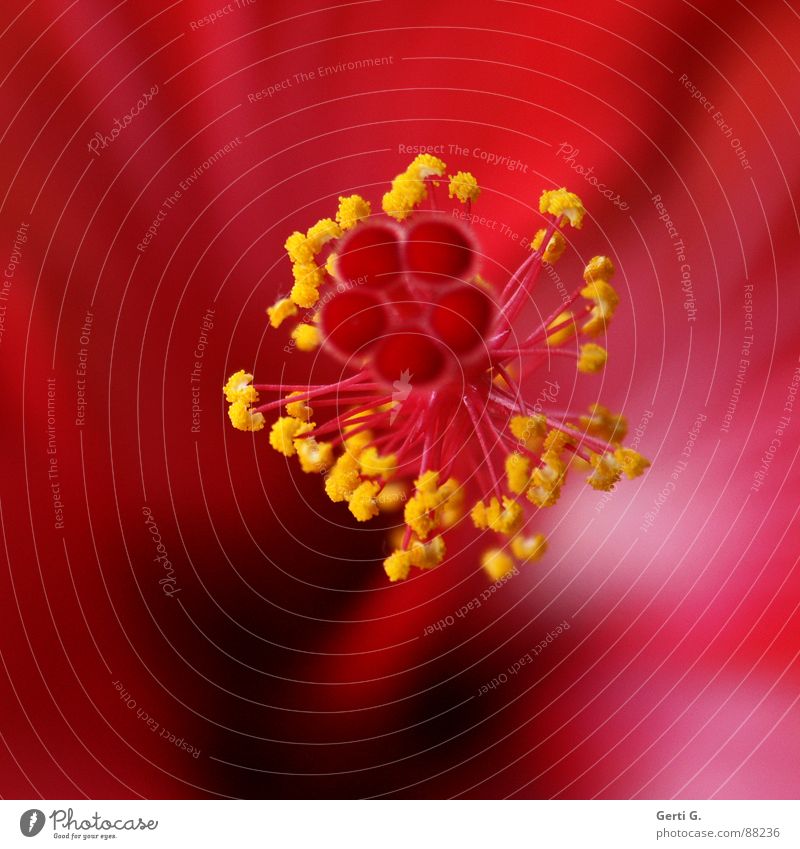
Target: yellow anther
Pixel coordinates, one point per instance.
(352, 210)
(417, 516)
(560, 202)
(603, 423)
(243, 418)
(556, 442)
(298, 248)
(308, 273)
(239, 388)
(497, 563)
(363, 503)
(518, 473)
(607, 471)
(555, 247)
(304, 295)
(567, 331)
(426, 165)
(548, 478)
(408, 189)
(282, 309)
(321, 233)
(375, 465)
(315, 457)
(397, 565)
(343, 479)
(283, 433)
(529, 430)
(392, 497)
(463, 186)
(306, 337)
(356, 443)
(598, 268)
(529, 549)
(426, 555)
(428, 482)
(632, 462)
(605, 300)
(592, 358)
(330, 267)
(505, 519)
(298, 409)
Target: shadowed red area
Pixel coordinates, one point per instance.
(438, 250)
(370, 254)
(409, 352)
(461, 318)
(353, 320)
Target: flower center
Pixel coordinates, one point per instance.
(408, 302)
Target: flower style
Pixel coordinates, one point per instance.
(432, 411)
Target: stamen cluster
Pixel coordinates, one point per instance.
(429, 412)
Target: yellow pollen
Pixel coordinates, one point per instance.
(306, 337)
(363, 504)
(298, 409)
(374, 465)
(592, 358)
(426, 555)
(518, 473)
(298, 248)
(566, 332)
(243, 418)
(315, 457)
(555, 247)
(529, 549)
(282, 309)
(352, 210)
(239, 388)
(497, 563)
(632, 462)
(598, 268)
(548, 478)
(603, 423)
(321, 233)
(529, 430)
(463, 186)
(283, 433)
(607, 471)
(343, 479)
(560, 202)
(397, 565)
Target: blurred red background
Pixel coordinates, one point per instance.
(284, 664)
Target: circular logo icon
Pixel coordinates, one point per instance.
(31, 822)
